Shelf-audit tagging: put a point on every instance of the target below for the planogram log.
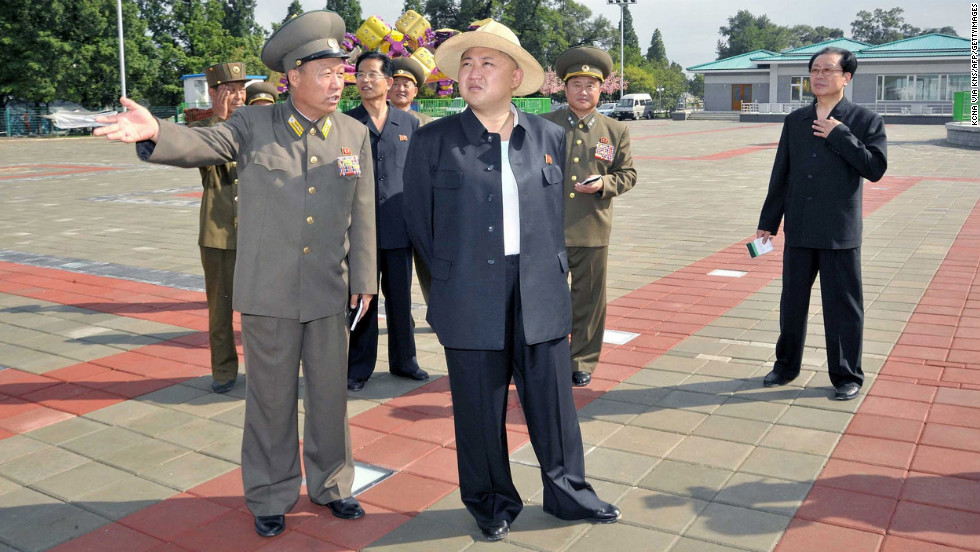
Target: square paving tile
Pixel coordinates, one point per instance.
(187, 470)
(738, 526)
(767, 494)
(617, 465)
(40, 465)
(623, 537)
(610, 411)
(200, 433)
(17, 446)
(536, 529)
(24, 514)
(66, 430)
(711, 452)
(752, 410)
(798, 439)
(783, 464)
(123, 497)
(424, 535)
(640, 394)
(807, 536)
(682, 478)
(814, 418)
(71, 484)
(658, 510)
(677, 421)
(105, 442)
(688, 400)
(848, 509)
(138, 458)
(732, 429)
(640, 440)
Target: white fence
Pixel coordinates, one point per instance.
(882, 108)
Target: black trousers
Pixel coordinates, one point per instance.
(395, 270)
(478, 382)
(843, 310)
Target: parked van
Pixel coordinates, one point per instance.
(632, 106)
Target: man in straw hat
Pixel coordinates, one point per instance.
(484, 206)
(598, 167)
(218, 232)
(306, 237)
(261, 93)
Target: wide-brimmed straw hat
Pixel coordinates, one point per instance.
(497, 37)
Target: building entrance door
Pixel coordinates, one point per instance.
(741, 93)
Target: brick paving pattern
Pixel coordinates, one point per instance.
(111, 440)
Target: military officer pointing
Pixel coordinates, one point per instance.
(219, 233)
(598, 167)
(306, 250)
(261, 93)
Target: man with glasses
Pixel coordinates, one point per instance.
(598, 167)
(391, 132)
(219, 227)
(825, 152)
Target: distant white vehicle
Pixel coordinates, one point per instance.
(607, 109)
(632, 106)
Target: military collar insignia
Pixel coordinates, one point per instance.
(295, 125)
(298, 128)
(572, 121)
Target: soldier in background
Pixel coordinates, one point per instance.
(598, 167)
(261, 93)
(219, 227)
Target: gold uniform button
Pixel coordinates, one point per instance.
(236, 181)
(314, 160)
(312, 131)
(312, 190)
(578, 142)
(574, 159)
(234, 163)
(309, 220)
(574, 178)
(306, 250)
(580, 125)
(572, 195)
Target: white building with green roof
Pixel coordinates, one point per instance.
(914, 76)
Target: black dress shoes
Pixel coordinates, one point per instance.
(495, 530)
(846, 391)
(774, 379)
(346, 508)
(270, 526)
(418, 375)
(354, 384)
(222, 387)
(607, 514)
(581, 379)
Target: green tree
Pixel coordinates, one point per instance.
(657, 52)
(442, 13)
(350, 10)
(882, 26)
(746, 32)
(294, 9)
(639, 78)
(417, 5)
(240, 18)
(695, 86)
(473, 10)
(804, 35)
(68, 50)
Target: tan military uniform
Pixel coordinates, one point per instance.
(593, 145)
(422, 117)
(306, 239)
(217, 239)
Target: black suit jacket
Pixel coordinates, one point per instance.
(816, 183)
(389, 149)
(455, 217)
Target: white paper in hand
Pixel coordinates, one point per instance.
(357, 314)
(758, 247)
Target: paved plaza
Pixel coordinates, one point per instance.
(111, 440)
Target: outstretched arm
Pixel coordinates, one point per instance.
(136, 124)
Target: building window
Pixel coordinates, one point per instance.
(800, 89)
(922, 88)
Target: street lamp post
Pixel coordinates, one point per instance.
(622, 69)
(660, 95)
(122, 48)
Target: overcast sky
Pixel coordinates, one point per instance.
(690, 27)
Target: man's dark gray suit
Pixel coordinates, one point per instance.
(500, 316)
(817, 187)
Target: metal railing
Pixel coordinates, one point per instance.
(21, 120)
(882, 108)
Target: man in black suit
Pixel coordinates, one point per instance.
(825, 152)
(391, 132)
(484, 208)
